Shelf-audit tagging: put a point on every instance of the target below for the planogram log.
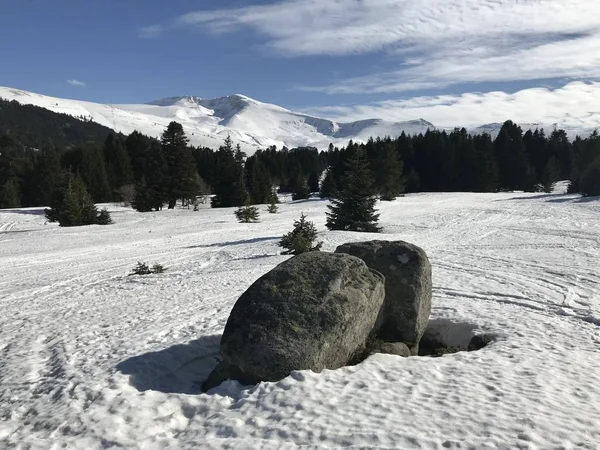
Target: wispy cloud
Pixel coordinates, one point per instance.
(151, 31)
(434, 43)
(74, 82)
(573, 106)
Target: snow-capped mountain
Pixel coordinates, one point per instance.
(207, 122)
(252, 124)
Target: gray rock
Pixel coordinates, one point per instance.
(480, 341)
(225, 371)
(314, 311)
(392, 348)
(408, 287)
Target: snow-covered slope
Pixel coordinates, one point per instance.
(91, 358)
(252, 124)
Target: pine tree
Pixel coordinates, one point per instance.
(273, 200)
(247, 213)
(549, 176)
(46, 175)
(300, 190)
(151, 189)
(142, 201)
(230, 188)
(88, 163)
(353, 207)
(392, 179)
(313, 181)
(74, 206)
(156, 174)
(93, 174)
(239, 193)
(138, 148)
(118, 165)
(328, 185)
(182, 173)
(516, 173)
(561, 149)
(589, 184)
(301, 239)
(104, 217)
(10, 196)
(259, 181)
(485, 169)
(413, 181)
(586, 151)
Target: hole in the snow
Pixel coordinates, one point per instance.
(443, 337)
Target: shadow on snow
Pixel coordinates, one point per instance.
(240, 242)
(28, 211)
(555, 198)
(179, 369)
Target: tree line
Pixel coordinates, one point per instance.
(151, 174)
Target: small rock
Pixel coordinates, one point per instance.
(392, 348)
(479, 341)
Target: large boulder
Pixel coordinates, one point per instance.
(408, 287)
(314, 311)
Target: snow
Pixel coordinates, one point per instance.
(91, 358)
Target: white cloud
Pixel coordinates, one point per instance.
(74, 82)
(151, 31)
(573, 107)
(434, 43)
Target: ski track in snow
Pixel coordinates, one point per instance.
(6, 227)
(91, 358)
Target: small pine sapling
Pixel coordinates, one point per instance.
(158, 268)
(301, 239)
(141, 269)
(273, 200)
(273, 208)
(247, 213)
(104, 217)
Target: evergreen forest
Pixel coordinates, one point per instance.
(42, 152)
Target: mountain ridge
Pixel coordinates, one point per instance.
(207, 122)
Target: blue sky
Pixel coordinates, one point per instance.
(342, 58)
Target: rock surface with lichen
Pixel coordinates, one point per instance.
(314, 311)
(408, 287)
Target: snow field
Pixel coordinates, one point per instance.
(91, 358)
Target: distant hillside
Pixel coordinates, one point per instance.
(34, 126)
